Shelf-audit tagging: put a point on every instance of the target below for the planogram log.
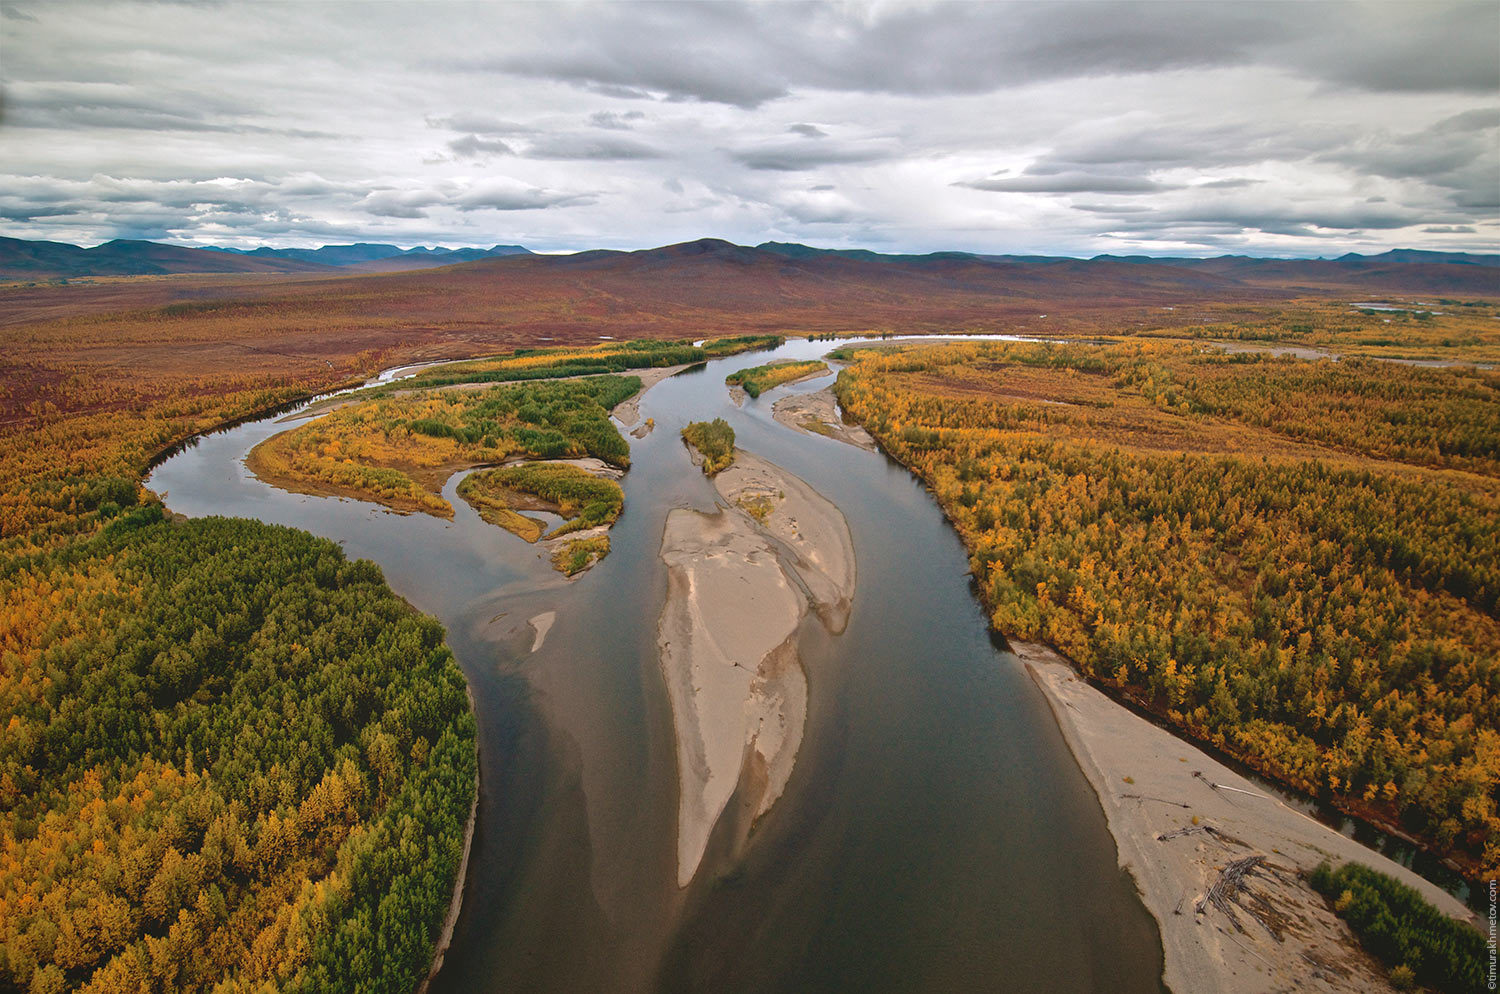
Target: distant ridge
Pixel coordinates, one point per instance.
(363, 254)
(22, 259)
(793, 250)
(1399, 270)
(25, 259)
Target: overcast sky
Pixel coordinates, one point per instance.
(1294, 129)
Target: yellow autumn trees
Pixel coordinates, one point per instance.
(1319, 601)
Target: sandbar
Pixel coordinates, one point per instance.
(724, 638)
(541, 624)
(809, 526)
(739, 583)
(817, 413)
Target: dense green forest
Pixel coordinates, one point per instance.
(714, 441)
(1419, 943)
(1320, 603)
(233, 759)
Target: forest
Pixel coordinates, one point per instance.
(1319, 601)
(233, 759)
(758, 379)
(713, 441)
(1417, 942)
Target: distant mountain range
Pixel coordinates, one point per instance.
(379, 258)
(28, 260)
(792, 250)
(24, 259)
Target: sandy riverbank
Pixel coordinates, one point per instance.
(628, 411)
(456, 902)
(817, 413)
(1179, 817)
(737, 590)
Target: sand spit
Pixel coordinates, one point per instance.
(739, 583)
(810, 528)
(628, 411)
(1179, 818)
(541, 624)
(817, 413)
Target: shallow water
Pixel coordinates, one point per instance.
(936, 835)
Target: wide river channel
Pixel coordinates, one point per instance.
(936, 834)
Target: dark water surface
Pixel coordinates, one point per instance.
(936, 834)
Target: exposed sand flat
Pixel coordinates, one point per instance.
(1173, 783)
(817, 413)
(809, 526)
(541, 624)
(724, 634)
(739, 583)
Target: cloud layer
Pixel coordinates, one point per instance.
(1289, 129)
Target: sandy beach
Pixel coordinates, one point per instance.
(628, 411)
(1179, 817)
(738, 587)
(817, 413)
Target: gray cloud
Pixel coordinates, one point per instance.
(509, 197)
(481, 124)
(746, 56)
(1066, 183)
(615, 121)
(472, 145)
(802, 155)
(1286, 129)
(589, 147)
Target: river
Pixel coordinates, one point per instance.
(936, 835)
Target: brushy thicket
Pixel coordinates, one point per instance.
(586, 500)
(714, 441)
(758, 379)
(1405, 932)
(374, 449)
